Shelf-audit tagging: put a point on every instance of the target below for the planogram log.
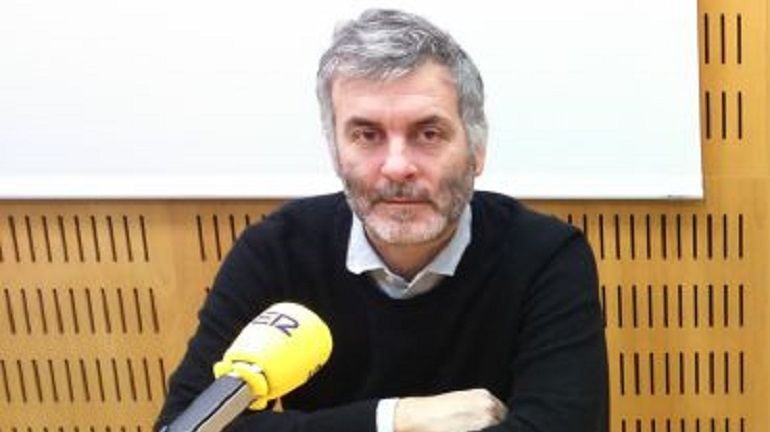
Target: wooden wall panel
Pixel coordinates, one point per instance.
(683, 288)
(97, 299)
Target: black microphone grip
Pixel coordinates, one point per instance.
(215, 408)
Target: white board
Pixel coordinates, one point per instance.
(200, 99)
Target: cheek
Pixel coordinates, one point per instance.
(359, 168)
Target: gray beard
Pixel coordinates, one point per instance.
(398, 227)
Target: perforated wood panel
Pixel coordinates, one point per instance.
(97, 302)
(97, 299)
(684, 299)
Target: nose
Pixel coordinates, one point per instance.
(398, 166)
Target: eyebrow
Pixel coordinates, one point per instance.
(359, 121)
(432, 120)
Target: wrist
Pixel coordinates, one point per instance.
(402, 415)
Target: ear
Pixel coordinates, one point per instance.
(479, 154)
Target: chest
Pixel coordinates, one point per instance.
(391, 349)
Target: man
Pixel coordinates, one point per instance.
(450, 310)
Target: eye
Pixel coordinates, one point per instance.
(366, 135)
(430, 135)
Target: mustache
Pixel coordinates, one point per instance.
(409, 191)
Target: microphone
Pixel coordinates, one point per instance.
(276, 352)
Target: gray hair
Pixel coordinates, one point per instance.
(387, 44)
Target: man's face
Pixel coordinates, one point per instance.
(403, 155)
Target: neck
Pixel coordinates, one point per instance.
(406, 260)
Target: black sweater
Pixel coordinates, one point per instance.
(520, 318)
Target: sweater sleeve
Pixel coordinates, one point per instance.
(560, 367)
(243, 287)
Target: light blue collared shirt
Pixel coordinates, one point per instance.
(362, 258)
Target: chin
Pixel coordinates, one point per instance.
(400, 232)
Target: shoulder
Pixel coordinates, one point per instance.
(536, 250)
(306, 232)
(305, 217)
(328, 204)
(525, 239)
(509, 218)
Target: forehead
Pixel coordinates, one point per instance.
(427, 90)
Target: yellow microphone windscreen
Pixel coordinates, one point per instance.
(277, 351)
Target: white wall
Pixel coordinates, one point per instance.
(172, 98)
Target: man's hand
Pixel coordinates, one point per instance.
(459, 411)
